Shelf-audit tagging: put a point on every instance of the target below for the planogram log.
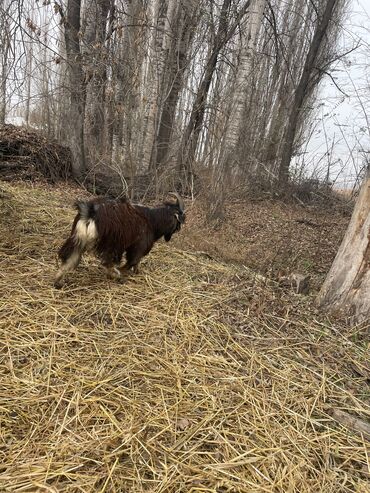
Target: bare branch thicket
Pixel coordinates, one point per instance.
(158, 93)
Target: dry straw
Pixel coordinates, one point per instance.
(191, 377)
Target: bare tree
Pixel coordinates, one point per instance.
(28, 75)
(282, 81)
(162, 17)
(162, 89)
(229, 153)
(183, 32)
(128, 52)
(96, 63)
(191, 136)
(311, 75)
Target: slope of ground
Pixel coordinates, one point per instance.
(271, 237)
(195, 376)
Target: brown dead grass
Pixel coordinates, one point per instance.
(195, 376)
(271, 237)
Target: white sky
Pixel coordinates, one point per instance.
(340, 122)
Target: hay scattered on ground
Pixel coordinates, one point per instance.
(28, 155)
(191, 377)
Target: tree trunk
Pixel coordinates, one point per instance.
(126, 76)
(96, 68)
(162, 17)
(245, 64)
(4, 50)
(28, 84)
(46, 103)
(302, 91)
(77, 87)
(283, 84)
(182, 40)
(193, 129)
(347, 285)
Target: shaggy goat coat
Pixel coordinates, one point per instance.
(110, 228)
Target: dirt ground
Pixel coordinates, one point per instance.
(272, 238)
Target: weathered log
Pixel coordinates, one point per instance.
(351, 422)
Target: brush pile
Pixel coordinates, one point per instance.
(27, 155)
(194, 376)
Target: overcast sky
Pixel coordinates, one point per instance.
(340, 122)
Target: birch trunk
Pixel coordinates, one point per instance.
(253, 24)
(46, 119)
(347, 285)
(129, 53)
(29, 79)
(240, 89)
(62, 121)
(163, 16)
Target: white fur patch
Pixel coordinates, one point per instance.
(86, 233)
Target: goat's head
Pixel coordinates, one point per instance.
(178, 209)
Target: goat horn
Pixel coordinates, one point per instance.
(180, 201)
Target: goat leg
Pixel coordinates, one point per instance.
(134, 255)
(68, 265)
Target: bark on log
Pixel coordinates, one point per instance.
(351, 422)
(347, 285)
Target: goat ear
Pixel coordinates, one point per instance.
(180, 218)
(168, 236)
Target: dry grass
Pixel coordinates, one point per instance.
(192, 377)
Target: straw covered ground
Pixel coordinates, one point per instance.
(194, 376)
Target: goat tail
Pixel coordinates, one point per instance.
(87, 210)
(84, 231)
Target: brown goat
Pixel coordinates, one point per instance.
(110, 228)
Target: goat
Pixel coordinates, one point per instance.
(111, 227)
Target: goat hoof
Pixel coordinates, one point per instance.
(58, 284)
(114, 274)
(114, 278)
